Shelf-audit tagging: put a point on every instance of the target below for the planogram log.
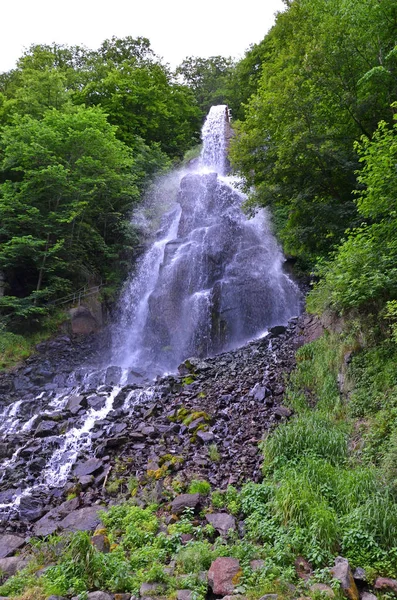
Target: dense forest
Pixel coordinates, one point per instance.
(83, 135)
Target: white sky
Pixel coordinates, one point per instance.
(175, 28)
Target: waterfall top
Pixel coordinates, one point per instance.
(215, 135)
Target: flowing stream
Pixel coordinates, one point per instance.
(211, 280)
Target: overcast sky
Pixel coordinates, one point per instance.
(175, 28)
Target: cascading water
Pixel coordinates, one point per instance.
(214, 277)
(211, 280)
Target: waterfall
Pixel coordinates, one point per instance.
(212, 279)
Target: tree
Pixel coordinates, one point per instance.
(362, 273)
(208, 79)
(296, 143)
(68, 187)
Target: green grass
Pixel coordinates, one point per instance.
(15, 348)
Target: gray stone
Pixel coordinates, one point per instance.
(184, 594)
(84, 519)
(101, 543)
(13, 564)
(368, 596)
(151, 589)
(83, 321)
(96, 402)
(30, 509)
(9, 543)
(205, 436)
(259, 392)
(47, 524)
(282, 412)
(56, 598)
(75, 403)
(185, 501)
(222, 522)
(342, 572)
(99, 596)
(88, 467)
(47, 428)
(360, 574)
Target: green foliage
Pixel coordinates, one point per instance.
(208, 78)
(362, 272)
(194, 557)
(199, 487)
(318, 83)
(318, 499)
(82, 134)
(312, 435)
(15, 348)
(213, 453)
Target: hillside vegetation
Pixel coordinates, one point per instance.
(82, 134)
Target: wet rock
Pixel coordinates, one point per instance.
(342, 572)
(222, 522)
(223, 575)
(47, 428)
(84, 519)
(269, 597)
(75, 403)
(9, 543)
(55, 598)
(386, 584)
(183, 501)
(88, 467)
(113, 375)
(193, 365)
(30, 509)
(5, 450)
(277, 330)
(259, 392)
(96, 402)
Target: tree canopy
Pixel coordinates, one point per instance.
(82, 134)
